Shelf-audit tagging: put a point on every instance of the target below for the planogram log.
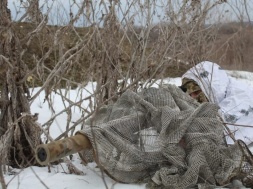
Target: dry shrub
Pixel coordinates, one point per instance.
(119, 55)
(233, 50)
(19, 132)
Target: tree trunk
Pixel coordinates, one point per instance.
(5, 14)
(19, 132)
(34, 13)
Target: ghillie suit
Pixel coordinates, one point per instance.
(165, 137)
(207, 81)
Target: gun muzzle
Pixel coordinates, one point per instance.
(46, 153)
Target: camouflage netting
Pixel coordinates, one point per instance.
(164, 136)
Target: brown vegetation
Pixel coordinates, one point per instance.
(19, 133)
(115, 53)
(230, 47)
(234, 47)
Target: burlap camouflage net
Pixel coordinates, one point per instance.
(164, 137)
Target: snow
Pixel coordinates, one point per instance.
(40, 177)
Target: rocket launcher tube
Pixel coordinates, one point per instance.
(46, 153)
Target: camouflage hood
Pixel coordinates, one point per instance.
(233, 96)
(210, 78)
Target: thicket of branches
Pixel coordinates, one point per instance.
(119, 45)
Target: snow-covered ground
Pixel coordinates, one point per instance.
(58, 178)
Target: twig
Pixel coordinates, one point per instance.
(2, 178)
(238, 125)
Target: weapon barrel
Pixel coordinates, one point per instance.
(53, 151)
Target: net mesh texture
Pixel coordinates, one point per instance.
(164, 137)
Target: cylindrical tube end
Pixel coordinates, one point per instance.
(42, 155)
(50, 152)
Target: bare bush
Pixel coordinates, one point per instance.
(117, 45)
(233, 51)
(19, 132)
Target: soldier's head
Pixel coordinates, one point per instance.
(192, 88)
